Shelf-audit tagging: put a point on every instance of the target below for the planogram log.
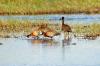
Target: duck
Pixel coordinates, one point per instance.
(50, 33)
(65, 28)
(33, 34)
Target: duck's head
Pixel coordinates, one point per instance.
(62, 18)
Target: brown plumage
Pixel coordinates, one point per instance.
(65, 27)
(49, 34)
(33, 34)
(46, 31)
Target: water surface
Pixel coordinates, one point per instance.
(72, 18)
(74, 52)
(22, 52)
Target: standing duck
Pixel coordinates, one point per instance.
(65, 27)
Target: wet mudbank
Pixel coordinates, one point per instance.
(24, 36)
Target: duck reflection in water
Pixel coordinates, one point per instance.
(66, 42)
(46, 42)
(49, 42)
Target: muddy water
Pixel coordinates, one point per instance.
(74, 52)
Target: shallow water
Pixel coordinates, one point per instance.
(72, 18)
(23, 52)
(74, 52)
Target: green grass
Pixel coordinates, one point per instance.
(49, 6)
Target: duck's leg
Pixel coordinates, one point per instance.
(65, 35)
(68, 35)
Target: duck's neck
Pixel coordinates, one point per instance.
(62, 21)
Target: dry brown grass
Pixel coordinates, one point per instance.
(91, 29)
(18, 27)
(25, 27)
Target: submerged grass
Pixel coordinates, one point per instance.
(48, 6)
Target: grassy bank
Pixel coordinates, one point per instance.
(24, 27)
(93, 28)
(25, 7)
(20, 27)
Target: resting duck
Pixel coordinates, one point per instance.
(50, 34)
(33, 34)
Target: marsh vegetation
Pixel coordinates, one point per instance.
(18, 28)
(29, 7)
